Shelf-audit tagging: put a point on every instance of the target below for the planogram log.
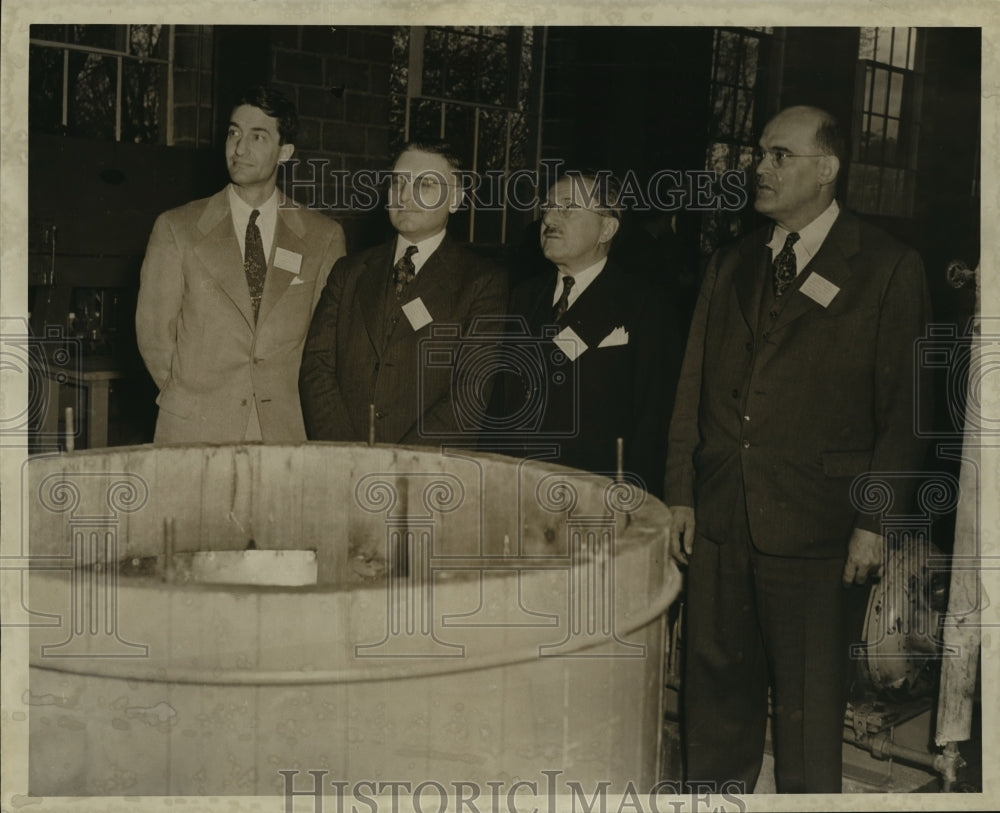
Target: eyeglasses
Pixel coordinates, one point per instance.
(778, 156)
(573, 209)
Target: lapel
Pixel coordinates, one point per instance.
(371, 291)
(219, 252)
(751, 274)
(832, 262)
(289, 234)
(597, 311)
(436, 285)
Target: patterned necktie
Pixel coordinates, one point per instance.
(254, 263)
(563, 304)
(784, 265)
(404, 270)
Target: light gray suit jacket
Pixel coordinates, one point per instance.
(195, 326)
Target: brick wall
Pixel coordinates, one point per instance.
(339, 79)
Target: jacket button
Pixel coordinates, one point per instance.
(773, 314)
(736, 393)
(243, 402)
(746, 444)
(746, 417)
(379, 414)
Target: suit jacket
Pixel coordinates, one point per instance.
(783, 417)
(362, 349)
(195, 325)
(626, 390)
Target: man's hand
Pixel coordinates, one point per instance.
(681, 532)
(865, 557)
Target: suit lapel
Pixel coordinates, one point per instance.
(371, 292)
(219, 252)
(435, 285)
(595, 313)
(831, 263)
(752, 273)
(288, 235)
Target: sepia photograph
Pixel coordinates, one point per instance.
(590, 412)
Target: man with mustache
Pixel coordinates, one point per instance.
(798, 377)
(364, 368)
(606, 339)
(227, 288)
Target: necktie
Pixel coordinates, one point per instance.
(784, 265)
(563, 304)
(404, 270)
(254, 263)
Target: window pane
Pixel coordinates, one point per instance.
(92, 80)
(727, 57)
(44, 89)
(900, 36)
(494, 71)
(743, 131)
(148, 41)
(881, 90)
(866, 44)
(52, 33)
(141, 84)
(751, 54)
(425, 119)
(883, 45)
(896, 94)
(872, 141)
(722, 111)
(463, 68)
(891, 142)
(97, 36)
(434, 54)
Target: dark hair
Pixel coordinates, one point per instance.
(436, 146)
(605, 189)
(830, 138)
(276, 105)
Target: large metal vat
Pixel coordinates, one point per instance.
(475, 619)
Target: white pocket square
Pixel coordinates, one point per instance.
(297, 281)
(616, 338)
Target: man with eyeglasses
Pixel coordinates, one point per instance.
(798, 377)
(607, 341)
(364, 373)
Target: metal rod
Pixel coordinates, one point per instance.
(69, 429)
(619, 460)
(371, 424)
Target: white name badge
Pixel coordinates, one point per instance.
(417, 313)
(819, 289)
(287, 260)
(570, 343)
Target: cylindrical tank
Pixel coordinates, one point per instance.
(474, 618)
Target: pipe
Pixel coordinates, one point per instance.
(881, 746)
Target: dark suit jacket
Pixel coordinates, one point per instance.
(195, 326)
(786, 417)
(362, 349)
(621, 391)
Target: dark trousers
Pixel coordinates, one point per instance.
(752, 621)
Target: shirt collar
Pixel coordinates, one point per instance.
(241, 209)
(425, 248)
(581, 279)
(811, 236)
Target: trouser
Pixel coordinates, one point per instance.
(755, 620)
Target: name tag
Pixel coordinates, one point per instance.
(287, 260)
(570, 343)
(819, 289)
(417, 313)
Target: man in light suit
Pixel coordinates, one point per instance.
(798, 377)
(227, 289)
(365, 368)
(608, 344)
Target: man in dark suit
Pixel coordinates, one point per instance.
(365, 358)
(608, 348)
(227, 289)
(798, 377)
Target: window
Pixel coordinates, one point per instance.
(739, 63)
(886, 127)
(479, 88)
(109, 82)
